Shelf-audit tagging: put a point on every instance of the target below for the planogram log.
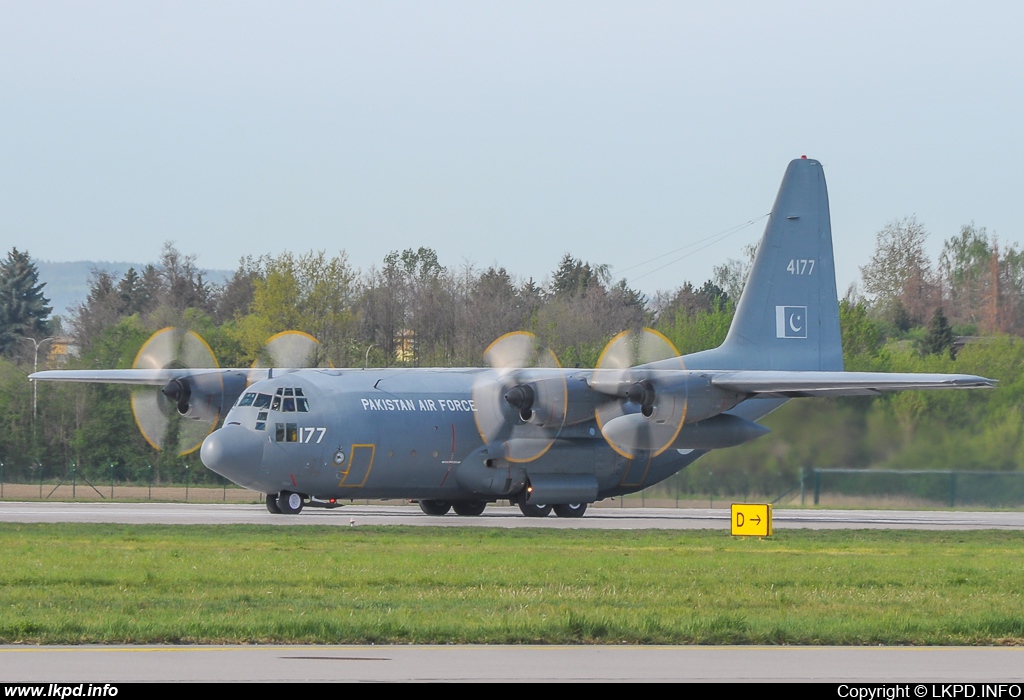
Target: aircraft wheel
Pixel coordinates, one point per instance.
(571, 510)
(469, 507)
(435, 507)
(289, 503)
(272, 504)
(536, 510)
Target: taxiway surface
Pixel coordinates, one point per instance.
(496, 516)
(916, 665)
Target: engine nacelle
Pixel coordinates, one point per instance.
(204, 396)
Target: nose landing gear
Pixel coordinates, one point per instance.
(288, 502)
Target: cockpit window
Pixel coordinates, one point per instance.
(285, 399)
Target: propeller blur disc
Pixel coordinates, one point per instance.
(517, 407)
(157, 416)
(292, 349)
(654, 420)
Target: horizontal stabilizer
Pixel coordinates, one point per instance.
(786, 384)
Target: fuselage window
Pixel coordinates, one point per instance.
(289, 404)
(302, 404)
(260, 418)
(247, 399)
(260, 425)
(286, 432)
(262, 401)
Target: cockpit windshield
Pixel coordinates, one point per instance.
(286, 400)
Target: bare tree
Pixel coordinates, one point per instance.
(899, 271)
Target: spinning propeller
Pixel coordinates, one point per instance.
(168, 416)
(519, 405)
(292, 349)
(644, 414)
(180, 414)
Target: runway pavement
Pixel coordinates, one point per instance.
(497, 516)
(926, 665)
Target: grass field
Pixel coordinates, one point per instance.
(72, 583)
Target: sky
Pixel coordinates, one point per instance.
(500, 133)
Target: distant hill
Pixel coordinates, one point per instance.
(67, 283)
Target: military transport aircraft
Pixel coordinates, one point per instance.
(524, 429)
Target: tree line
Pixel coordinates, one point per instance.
(964, 314)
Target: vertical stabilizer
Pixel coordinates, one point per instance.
(788, 315)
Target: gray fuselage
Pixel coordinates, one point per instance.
(408, 433)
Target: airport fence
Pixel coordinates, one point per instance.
(39, 481)
(867, 488)
(950, 489)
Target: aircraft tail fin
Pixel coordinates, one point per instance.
(788, 315)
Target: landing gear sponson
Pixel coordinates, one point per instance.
(472, 508)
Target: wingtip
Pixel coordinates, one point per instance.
(976, 382)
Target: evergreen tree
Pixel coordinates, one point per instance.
(575, 277)
(23, 308)
(940, 335)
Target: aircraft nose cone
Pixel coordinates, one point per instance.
(233, 452)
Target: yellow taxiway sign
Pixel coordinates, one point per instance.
(752, 519)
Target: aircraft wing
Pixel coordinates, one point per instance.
(151, 377)
(789, 384)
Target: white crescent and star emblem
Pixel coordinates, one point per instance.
(793, 318)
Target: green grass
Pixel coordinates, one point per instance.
(206, 584)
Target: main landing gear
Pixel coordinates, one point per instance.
(470, 508)
(463, 508)
(533, 510)
(466, 508)
(435, 507)
(562, 510)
